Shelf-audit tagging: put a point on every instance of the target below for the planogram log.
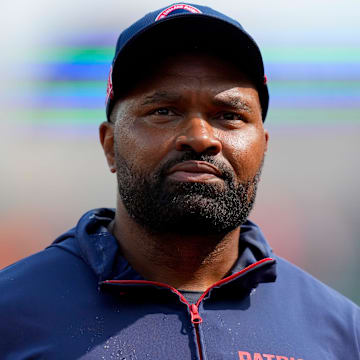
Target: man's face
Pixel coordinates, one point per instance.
(189, 145)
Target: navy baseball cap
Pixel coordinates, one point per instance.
(183, 26)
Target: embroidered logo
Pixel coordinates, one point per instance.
(109, 89)
(244, 355)
(176, 9)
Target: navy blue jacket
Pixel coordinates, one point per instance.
(80, 299)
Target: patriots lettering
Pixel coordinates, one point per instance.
(244, 355)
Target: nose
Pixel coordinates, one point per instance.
(198, 136)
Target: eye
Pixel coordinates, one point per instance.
(163, 112)
(230, 116)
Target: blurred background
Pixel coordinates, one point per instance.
(54, 63)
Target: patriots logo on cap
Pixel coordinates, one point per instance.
(109, 89)
(177, 9)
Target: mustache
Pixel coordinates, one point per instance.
(226, 171)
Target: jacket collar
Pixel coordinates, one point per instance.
(92, 241)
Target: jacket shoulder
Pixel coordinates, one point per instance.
(49, 259)
(317, 306)
(308, 287)
(36, 290)
(42, 276)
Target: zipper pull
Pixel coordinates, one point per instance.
(195, 316)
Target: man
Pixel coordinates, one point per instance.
(177, 271)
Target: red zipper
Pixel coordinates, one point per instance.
(195, 316)
(196, 319)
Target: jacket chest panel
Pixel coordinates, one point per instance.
(248, 334)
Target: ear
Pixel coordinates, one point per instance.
(106, 134)
(266, 134)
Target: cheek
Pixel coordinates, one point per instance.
(244, 151)
(125, 143)
(141, 148)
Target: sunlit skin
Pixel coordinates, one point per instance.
(193, 102)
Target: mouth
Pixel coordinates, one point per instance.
(194, 171)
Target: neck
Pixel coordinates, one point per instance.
(192, 262)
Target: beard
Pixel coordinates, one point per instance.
(186, 208)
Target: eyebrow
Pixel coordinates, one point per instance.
(160, 96)
(232, 102)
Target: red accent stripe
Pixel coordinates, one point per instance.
(231, 277)
(197, 331)
(220, 282)
(147, 282)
